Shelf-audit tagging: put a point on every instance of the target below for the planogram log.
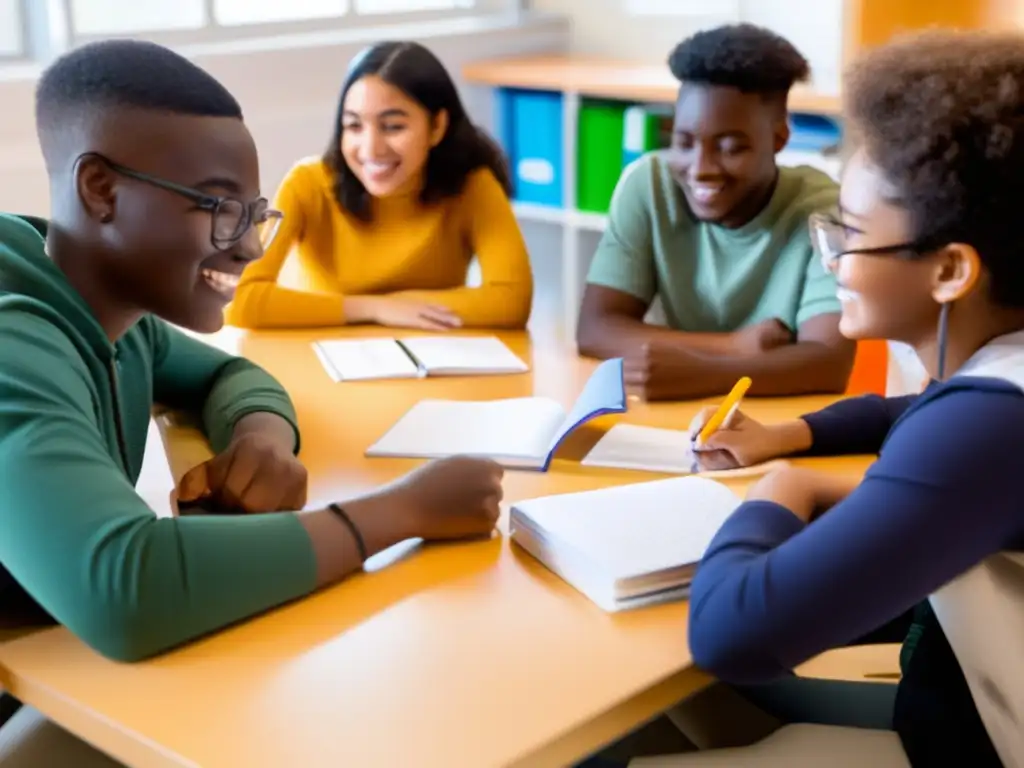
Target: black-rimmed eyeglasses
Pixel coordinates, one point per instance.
(828, 236)
(230, 219)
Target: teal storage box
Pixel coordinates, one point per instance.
(529, 128)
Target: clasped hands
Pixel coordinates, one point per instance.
(667, 370)
(256, 473)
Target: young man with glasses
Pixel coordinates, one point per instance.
(156, 209)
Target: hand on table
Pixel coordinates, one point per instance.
(256, 473)
(659, 371)
(408, 313)
(453, 498)
(804, 492)
(741, 442)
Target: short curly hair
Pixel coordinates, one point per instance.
(743, 56)
(941, 115)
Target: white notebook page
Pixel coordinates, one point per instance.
(651, 449)
(456, 354)
(520, 427)
(631, 530)
(363, 359)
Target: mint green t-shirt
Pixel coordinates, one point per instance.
(710, 278)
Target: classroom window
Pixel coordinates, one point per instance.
(117, 17)
(11, 41)
(406, 6)
(43, 29)
(711, 8)
(100, 18)
(235, 12)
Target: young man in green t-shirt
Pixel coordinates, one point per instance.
(717, 231)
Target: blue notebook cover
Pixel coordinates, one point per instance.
(604, 393)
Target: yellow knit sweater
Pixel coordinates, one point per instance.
(408, 250)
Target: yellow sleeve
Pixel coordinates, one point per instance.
(259, 301)
(505, 294)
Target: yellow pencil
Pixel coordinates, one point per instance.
(723, 415)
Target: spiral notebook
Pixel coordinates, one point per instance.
(627, 546)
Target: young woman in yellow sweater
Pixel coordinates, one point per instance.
(387, 222)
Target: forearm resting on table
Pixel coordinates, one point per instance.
(495, 305)
(614, 336)
(380, 520)
(359, 310)
(792, 437)
(380, 523)
(801, 368)
(269, 425)
(362, 309)
(265, 304)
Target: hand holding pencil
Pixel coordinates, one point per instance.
(725, 438)
(723, 415)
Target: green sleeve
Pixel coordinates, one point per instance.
(624, 259)
(819, 293)
(89, 550)
(189, 375)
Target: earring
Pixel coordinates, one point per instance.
(940, 367)
(106, 217)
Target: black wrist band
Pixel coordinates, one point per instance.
(342, 515)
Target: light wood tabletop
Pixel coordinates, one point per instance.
(467, 654)
(610, 79)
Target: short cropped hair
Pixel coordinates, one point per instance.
(941, 115)
(111, 74)
(743, 56)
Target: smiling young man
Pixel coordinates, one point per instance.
(719, 232)
(156, 208)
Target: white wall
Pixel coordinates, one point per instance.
(288, 90)
(606, 28)
(10, 27)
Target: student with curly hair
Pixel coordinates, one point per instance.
(717, 231)
(388, 221)
(927, 248)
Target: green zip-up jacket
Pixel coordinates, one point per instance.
(74, 412)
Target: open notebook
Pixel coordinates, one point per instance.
(416, 357)
(650, 449)
(521, 432)
(626, 546)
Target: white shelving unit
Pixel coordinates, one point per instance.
(549, 214)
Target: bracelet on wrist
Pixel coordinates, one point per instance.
(342, 515)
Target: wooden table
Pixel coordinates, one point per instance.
(460, 655)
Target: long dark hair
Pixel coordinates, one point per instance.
(416, 72)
